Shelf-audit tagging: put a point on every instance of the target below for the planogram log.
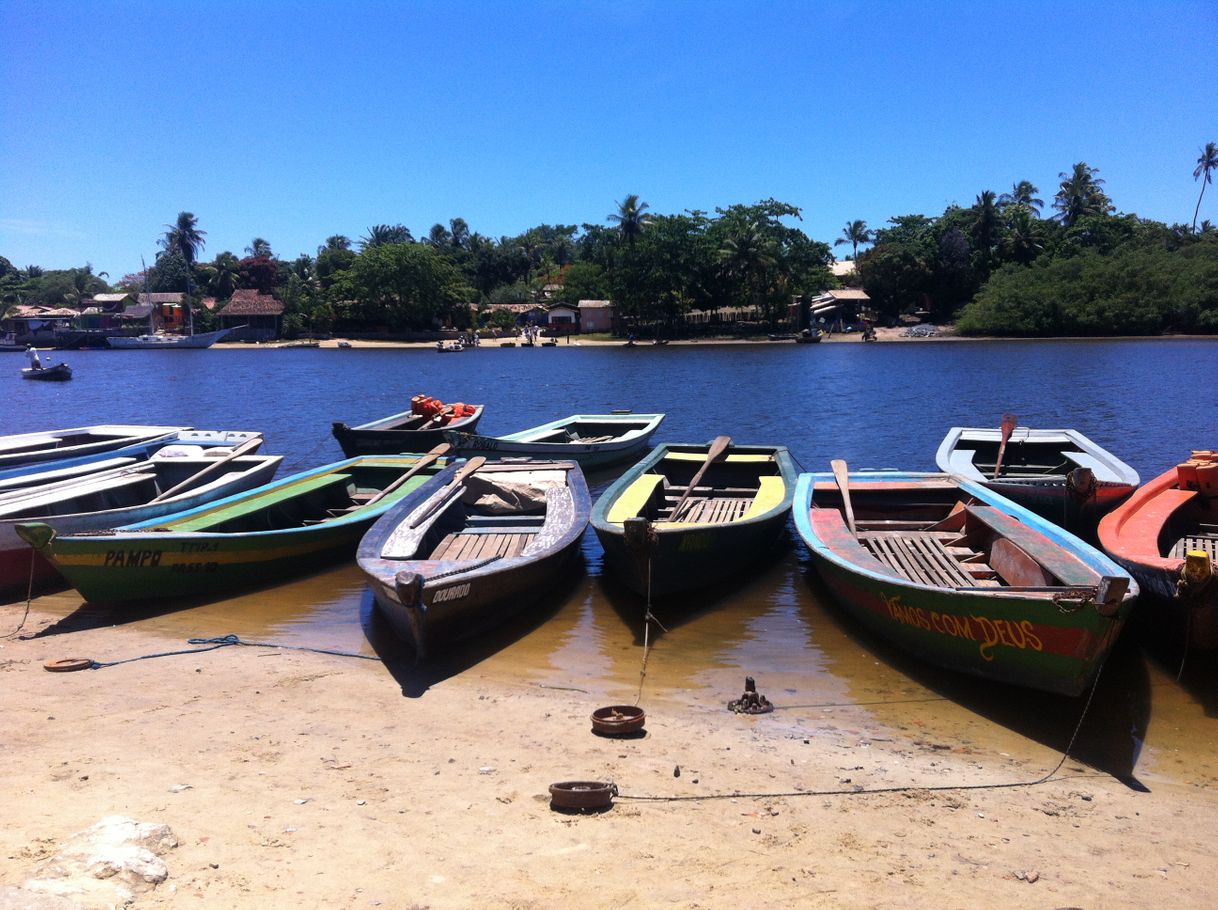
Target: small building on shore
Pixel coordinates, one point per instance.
(596, 315)
(251, 316)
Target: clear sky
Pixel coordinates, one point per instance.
(295, 121)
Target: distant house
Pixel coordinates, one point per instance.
(111, 303)
(843, 269)
(596, 315)
(563, 318)
(251, 316)
(522, 313)
(37, 324)
(168, 309)
(841, 304)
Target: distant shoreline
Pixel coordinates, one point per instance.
(884, 335)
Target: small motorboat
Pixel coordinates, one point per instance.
(417, 430)
(58, 373)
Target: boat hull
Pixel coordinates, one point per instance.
(458, 600)
(1022, 637)
(370, 439)
(684, 555)
(23, 570)
(141, 561)
(588, 455)
(1133, 535)
(61, 372)
(166, 342)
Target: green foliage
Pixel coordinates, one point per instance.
(584, 281)
(1141, 291)
(404, 286)
(171, 273)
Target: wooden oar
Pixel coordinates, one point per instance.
(1008, 427)
(718, 449)
(248, 446)
(431, 456)
(468, 468)
(842, 475)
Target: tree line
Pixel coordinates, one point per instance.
(995, 267)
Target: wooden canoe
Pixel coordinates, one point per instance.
(591, 440)
(1166, 536)
(1058, 474)
(964, 578)
(77, 442)
(729, 522)
(400, 433)
(458, 557)
(286, 527)
(33, 472)
(122, 495)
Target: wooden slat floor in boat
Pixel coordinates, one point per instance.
(924, 557)
(1206, 543)
(713, 510)
(466, 547)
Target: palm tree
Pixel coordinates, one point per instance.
(985, 221)
(184, 237)
(1080, 195)
(439, 237)
(1023, 193)
(749, 256)
(380, 234)
(1206, 227)
(335, 242)
(631, 218)
(223, 276)
(460, 232)
(854, 233)
(1206, 165)
(259, 249)
(1021, 242)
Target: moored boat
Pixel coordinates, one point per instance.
(474, 546)
(1166, 536)
(24, 453)
(171, 481)
(963, 578)
(417, 430)
(690, 515)
(287, 526)
(162, 341)
(1058, 474)
(591, 440)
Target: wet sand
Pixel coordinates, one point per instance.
(294, 778)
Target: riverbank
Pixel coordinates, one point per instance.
(882, 335)
(294, 778)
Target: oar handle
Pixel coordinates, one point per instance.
(718, 448)
(419, 465)
(446, 494)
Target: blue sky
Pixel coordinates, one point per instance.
(295, 121)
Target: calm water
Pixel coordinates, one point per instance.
(882, 405)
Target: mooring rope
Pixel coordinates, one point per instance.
(224, 641)
(908, 788)
(29, 595)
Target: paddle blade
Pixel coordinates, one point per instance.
(718, 448)
(841, 473)
(1008, 425)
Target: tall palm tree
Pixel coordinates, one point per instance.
(985, 221)
(439, 237)
(335, 242)
(854, 233)
(631, 217)
(1206, 165)
(259, 248)
(460, 232)
(184, 237)
(223, 276)
(1021, 242)
(1023, 193)
(1080, 195)
(750, 257)
(381, 234)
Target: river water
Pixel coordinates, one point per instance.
(876, 405)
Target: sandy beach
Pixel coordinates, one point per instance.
(298, 779)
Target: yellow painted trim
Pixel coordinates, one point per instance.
(633, 498)
(739, 458)
(769, 496)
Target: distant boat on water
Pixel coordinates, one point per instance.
(161, 341)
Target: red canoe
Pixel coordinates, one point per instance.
(1166, 536)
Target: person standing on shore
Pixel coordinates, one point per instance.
(31, 353)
